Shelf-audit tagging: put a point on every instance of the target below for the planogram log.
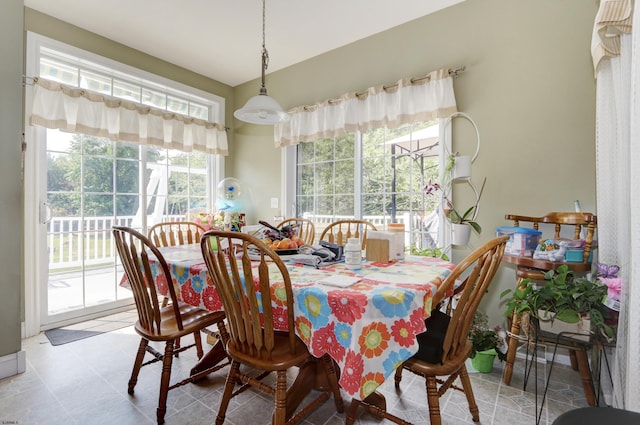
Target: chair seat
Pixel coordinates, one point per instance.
(281, 358)
(528, 273)
(598, 415)
(435, 369)
(193, 319)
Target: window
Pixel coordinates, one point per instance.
(78, 186)
(378, 176)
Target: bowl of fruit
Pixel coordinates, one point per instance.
(283, 241)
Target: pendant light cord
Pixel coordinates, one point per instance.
(265, 54)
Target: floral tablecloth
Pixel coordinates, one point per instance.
(368, 328)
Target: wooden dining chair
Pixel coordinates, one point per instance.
(262, 335)
(155, 322)
(571, 225)
(477, 271)
(305, 229)
(171, 233)
(340, 231)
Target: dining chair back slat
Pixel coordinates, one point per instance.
(157, 321)
(172, 233)
(340, 231)
(249, 277)
(305, 229)
(136, 252)
(250, 321)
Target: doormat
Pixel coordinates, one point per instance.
(64, 336)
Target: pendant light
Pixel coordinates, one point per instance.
(262, 109)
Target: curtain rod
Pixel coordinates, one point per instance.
(452, 71)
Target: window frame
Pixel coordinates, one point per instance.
(289, 181)
(35, 178)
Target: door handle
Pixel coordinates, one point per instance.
(45, 213)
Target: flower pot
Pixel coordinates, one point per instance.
(461, 233)
(483, 360)
(548, 324)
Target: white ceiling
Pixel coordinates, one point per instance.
(222, 39)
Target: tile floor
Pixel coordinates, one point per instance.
(85, 383)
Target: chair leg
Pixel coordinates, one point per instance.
(573, 359)
(398, 377)
(198, 340)
(512, 343)
(224, 335)
(434, 400)
(137, 364)
(332, 378)
(228, 392)
(585, 374)
(511, 349)
(165, 378)
(468, 391)
(280, 411)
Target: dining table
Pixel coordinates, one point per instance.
(366, 320)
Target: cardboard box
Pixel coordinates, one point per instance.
(377, 250)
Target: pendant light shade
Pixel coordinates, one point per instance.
(262, 109)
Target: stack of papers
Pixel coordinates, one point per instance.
(339, 280)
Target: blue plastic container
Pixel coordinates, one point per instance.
(522, 240)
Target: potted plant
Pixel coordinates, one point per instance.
(487, 343)
(468, 217)
(462, 223)
(428, 252)
(565, 298)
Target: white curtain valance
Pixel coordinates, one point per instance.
(614, 17)
(407, 101)
(78, 110)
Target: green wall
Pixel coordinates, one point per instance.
(10, 176)
(528, 85)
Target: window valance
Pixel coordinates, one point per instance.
(78, 110)
(614, 18)
(409, 100)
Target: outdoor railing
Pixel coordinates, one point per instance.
(76, 242)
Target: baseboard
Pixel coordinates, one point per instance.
(561, 357)
(13, 364)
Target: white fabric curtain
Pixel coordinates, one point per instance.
(617, 64)
(407, 101)
(77, 110)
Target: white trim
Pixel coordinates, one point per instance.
(288, 180)
(37, 41)
(444, 227)
(13, 364)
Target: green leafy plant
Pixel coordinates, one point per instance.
(429, 252)
(468, 217)
(566, 296)
(484, 338)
